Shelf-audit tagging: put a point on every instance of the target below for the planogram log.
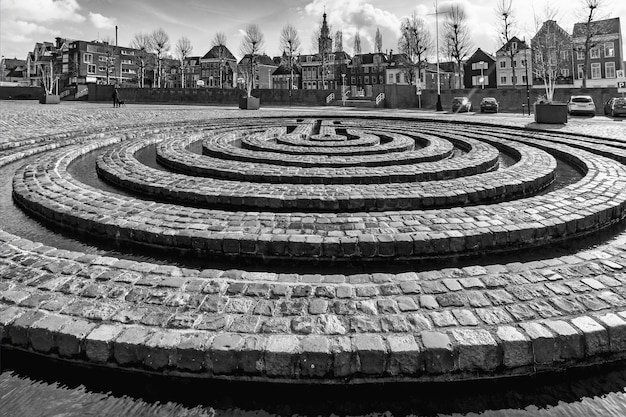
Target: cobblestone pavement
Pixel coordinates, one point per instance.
(447, 323)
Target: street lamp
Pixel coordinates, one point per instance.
(343, 89)
(482, 74)
(439, 106)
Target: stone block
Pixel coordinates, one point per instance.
(70, 339)
(225, 352)
(130, 346)
(404, 355)
(191, 351)
(569, 340)
(596, 337)
(161, 349)
(617, 331)
(438, 353)
(516, 348)
(281, 355)
(251, 354)
(18, 330)
(315, 356)
(43, 333)
(99, 343)
(344, 357)
(477, 350)
(543, 343)
(7, 317)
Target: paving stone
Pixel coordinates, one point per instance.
(281, 355)
(98, 343)
(517, 349)
(438, 352)
(477, 350)
(543, 343)
(596, 337)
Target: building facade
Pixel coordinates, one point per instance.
(367, 70)
(283, 77)
(522, 63)
(218, 68)
(551, 53)
(480, 71)
(263, 66)
(605, 55)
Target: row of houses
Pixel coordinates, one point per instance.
(81, 62)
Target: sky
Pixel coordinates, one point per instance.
(25, 22)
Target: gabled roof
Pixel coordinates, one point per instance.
(366, 59)
(259, 59)
(479, 52)
(11, 63)
(520, 44)
(214, 53)
(284, 70)
(601, 27)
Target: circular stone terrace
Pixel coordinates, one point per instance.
(316, 190)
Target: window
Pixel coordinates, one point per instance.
(595, 71)
(502, 64)
(476, 80)
(88, 58)
(580, 71)
(538, 57)
(514, 46)
(514, 63)
(398, 77)
(128, 52)
(524, 79)
(609, 50)
(353, 80)
(552, 58)
(367, 79)
(609, 70)
(502, 80)
(102, 69)
(91, 69)
(580, 55)
(594, 53)
(565, 72)
(127, 61)
(563, 55)
(102, 58)
(391, 78)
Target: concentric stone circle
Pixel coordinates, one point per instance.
(445, 324)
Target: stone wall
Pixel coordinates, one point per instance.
(21, 93)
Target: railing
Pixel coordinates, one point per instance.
(330, 98)
(380, 98)
(81, 93)
(65, 93)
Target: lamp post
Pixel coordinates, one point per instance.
(482, 74)
(439, 106)
(343, 89)
(526, 69)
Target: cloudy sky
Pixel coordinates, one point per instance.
(25, 22)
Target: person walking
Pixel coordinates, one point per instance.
(116, 97)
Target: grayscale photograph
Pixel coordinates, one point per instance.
(313, 208)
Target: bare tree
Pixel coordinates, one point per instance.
(378, 41)
(590, 31)
(339, 41)
(415, 42)
(506, 32)
(160, 42)
(251, 45)
(551, 52)
(219, 42)
(290, 43)
(357, 43)
(143, 43)
(457, 38)
(110, 55)
(183, 50)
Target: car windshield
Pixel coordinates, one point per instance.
(621, 101)
(459, 100)
(582, 100)
(489, 100)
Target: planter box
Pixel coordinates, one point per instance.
(249, 103)
(554, 113)
(50, 99)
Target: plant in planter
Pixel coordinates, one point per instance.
(251, 45)
(49, 81)
(551, 51)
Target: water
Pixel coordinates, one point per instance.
(31, 386)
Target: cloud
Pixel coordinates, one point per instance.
(358, 15)
(101, 22)
(41, 10)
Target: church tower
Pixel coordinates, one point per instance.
(325, 42)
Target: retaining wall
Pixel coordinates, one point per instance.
(21, 93)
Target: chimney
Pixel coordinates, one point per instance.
(115, 35)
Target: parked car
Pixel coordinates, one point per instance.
(615, 107)
(581, 104)
(489, 104)
(460, 104)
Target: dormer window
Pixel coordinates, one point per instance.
(514, 46)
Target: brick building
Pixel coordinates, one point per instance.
(219, 62)
(522, 56)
